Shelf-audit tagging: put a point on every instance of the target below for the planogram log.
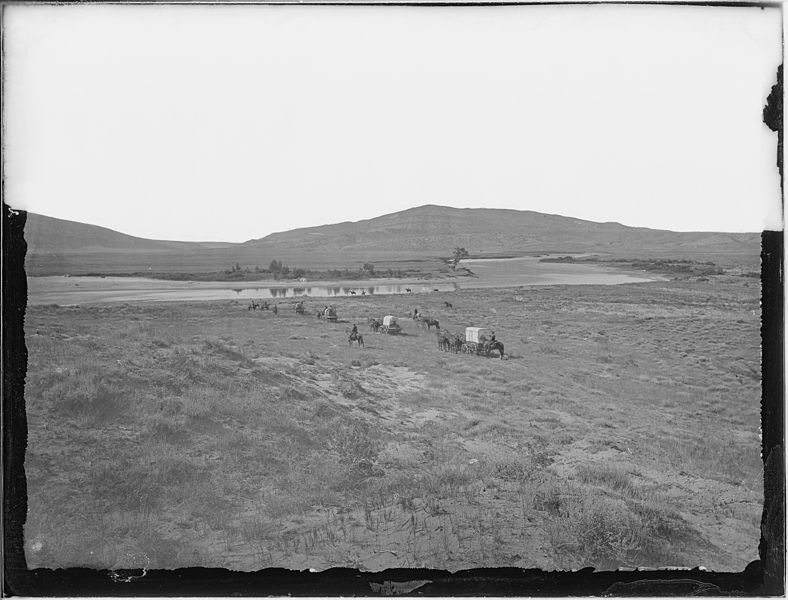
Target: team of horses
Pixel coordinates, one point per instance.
(258, 305)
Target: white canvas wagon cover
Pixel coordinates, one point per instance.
(474, 334)
(389, 321)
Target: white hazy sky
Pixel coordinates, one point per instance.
(232, 122)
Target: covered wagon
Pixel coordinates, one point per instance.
(329, 313)
(481, 341)
(390, 325)
(475, 339)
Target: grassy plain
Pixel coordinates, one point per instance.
(621, 431)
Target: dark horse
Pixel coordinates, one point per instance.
(448, 304)
(430, 322)
(356, 337)
(455, 344)
(444, 342)
(374, 325)
(496, 345)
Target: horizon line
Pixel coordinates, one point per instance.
(429, 205)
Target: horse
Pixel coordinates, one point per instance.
(374, 325)
(409, 290)
(443, 341)
(352, 292)
(448, 304)
(253, 306)
(430, 322)
(456, 344)
(436, 290)
(496, 345)
(356, 337)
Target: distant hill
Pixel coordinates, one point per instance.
(50, 235)
(430, 229)
(426, 233)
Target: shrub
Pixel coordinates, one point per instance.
(608, 535)
(353, 443)
(614, 478)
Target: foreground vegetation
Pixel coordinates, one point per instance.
(622, 431)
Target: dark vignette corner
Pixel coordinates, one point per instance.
(14, 419)
(772, 545)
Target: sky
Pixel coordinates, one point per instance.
(228, 123)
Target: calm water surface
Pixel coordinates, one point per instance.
(488, 273)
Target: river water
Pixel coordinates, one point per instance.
(488, 273)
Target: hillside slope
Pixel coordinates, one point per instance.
(432, 229)
(426, 233)
(50, 235)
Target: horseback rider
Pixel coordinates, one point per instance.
(492, 338)
(354, 331)
(415, 313)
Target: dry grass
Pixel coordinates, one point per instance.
(621, 432)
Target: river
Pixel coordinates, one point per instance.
(487, 273)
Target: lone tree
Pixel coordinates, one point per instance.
(369, 268)
(459, 254)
